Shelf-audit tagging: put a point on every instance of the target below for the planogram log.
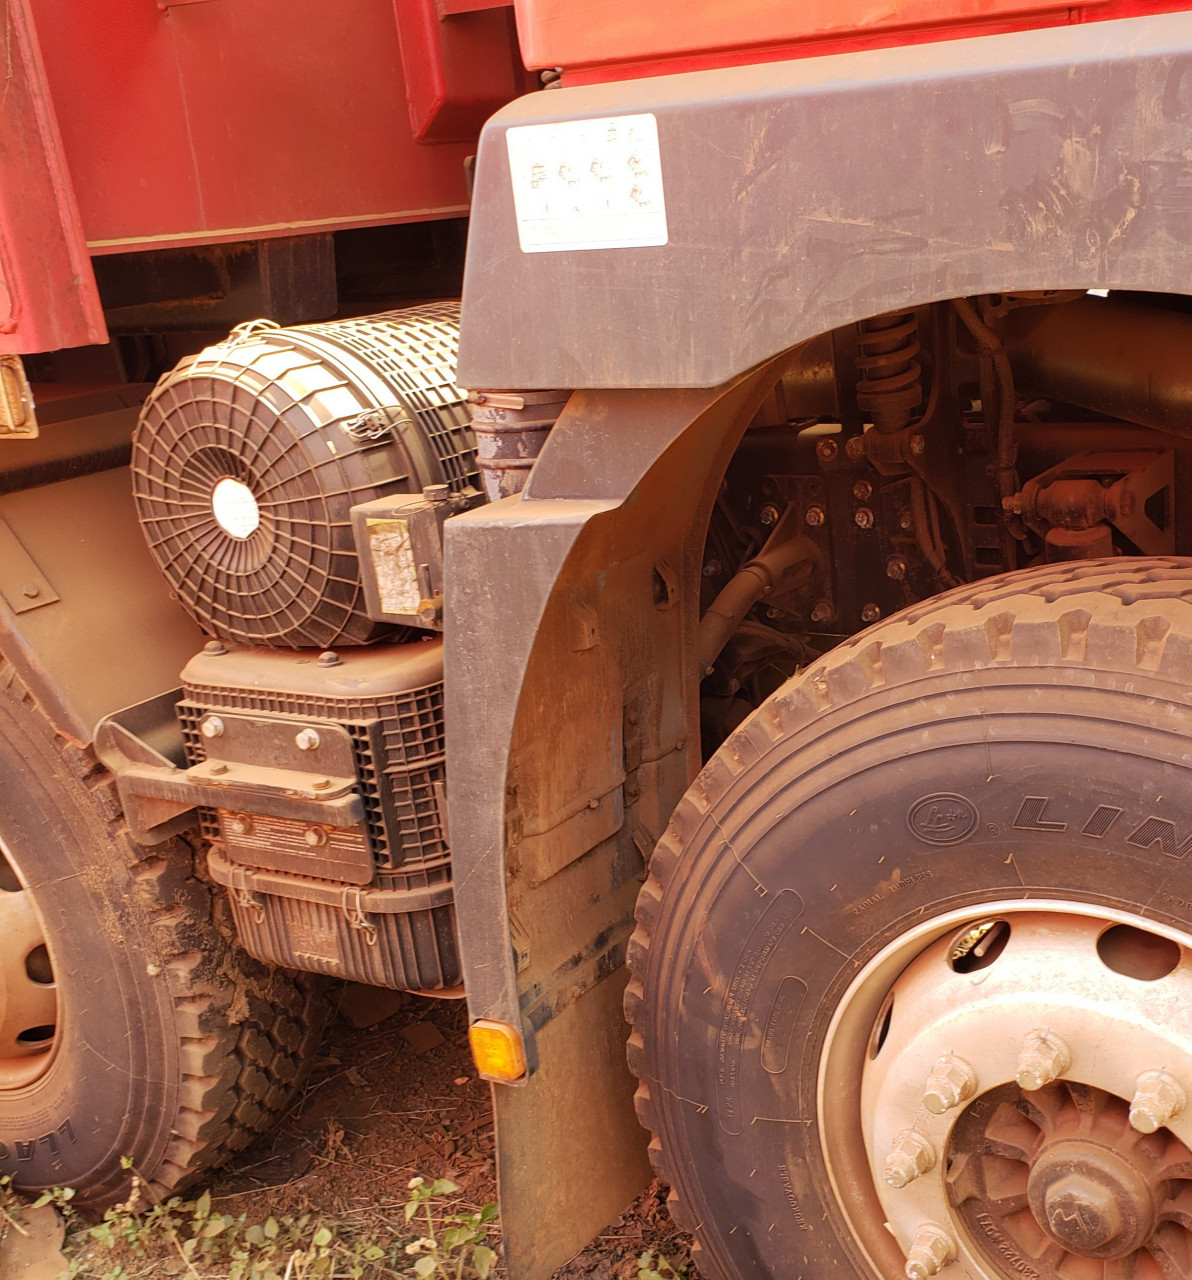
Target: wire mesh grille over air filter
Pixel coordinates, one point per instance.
(248, 458)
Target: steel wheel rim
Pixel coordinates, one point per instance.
(28, 992)
(863, 1108)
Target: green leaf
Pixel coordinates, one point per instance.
(254, 1235)
(443, 1187)
(213, 1228)
(453, 1237)
(322, 1238)
(489, 1212)
(411, 1209)
(425, 1266)
(482, 1259)
(271, 1228)
(203, 1205)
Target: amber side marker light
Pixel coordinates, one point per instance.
(497, 1050)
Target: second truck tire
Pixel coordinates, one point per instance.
(911, 951)
(133, 1035)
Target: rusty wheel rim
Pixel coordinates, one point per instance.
(1006, 1092)
(28, 992)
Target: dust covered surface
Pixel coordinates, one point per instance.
(400, 1099)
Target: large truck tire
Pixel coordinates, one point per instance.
(912, 977)
(134, 1037)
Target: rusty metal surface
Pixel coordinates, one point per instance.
(1041, 159)
(114, 637)
(1116, 357)
(572, 713)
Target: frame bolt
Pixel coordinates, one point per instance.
(862, 491)
(826, 451)
(768, 514)
(910, 1156)
(863, 517)
(240, 824)
(815, 516)
(896, 568)
(315, 836)
(906, 520)
(870, 613)
(211, 727)
(307, 740)
(918, 446)
(931, 1249)
(952, 1081)
(215, 648)
(1157, 1098)
(328, 658)
(822, 612)
(321, 784)
(1044, 1057)
(854, 447)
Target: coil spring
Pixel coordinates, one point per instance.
(889, 386)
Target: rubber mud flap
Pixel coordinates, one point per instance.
(163, 1045)
(1020, 742)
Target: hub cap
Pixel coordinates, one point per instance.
(1022, 1104)
(28, 996)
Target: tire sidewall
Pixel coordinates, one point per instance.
(836, 853)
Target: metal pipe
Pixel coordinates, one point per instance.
(1124, 359)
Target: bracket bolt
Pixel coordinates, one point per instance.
(822, 612)
(30, 591)
(863, 517)
(211, 727)
(870, 613)
(315, 836)
(931, 1249)
(215, 648)
(896, 568)
(329, 658)
(321, 784)
(854, 447)
(240, 824)
(918, 446)
(307, 740)
(862, 491)
(1158, 1097)
(951, 1082)
(826, 450)
(768, 514)
(1044, 1057)
(910, 1156)
(218, 768)
(814, 516)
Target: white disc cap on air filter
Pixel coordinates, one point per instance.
(248, 458)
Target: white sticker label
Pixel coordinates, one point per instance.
(587, 184)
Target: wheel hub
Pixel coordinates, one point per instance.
(28, 995)
(1024, 1099)
(1091, 1200)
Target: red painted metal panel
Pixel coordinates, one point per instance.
(48, 296)
(238, 119)
(627, 38)
(460, 62)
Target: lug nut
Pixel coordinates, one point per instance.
(211, 727)
(814, 517)
(896, 568)
(870, 613)
(863, 517)
(952, 1081)
(826, 450)
(307, 740)
(1158, 1097)
(854, 447)
(822, 612)
(1044, 1057)
(910, 1156)
(931, 1249)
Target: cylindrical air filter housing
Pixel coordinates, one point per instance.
(248, 458)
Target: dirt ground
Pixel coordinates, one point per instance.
(394, 1095)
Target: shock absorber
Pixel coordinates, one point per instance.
(889, 386)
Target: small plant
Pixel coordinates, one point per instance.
(453, 1241)
(657, 1266)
